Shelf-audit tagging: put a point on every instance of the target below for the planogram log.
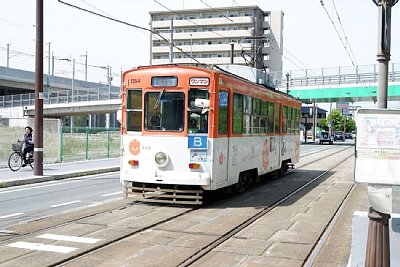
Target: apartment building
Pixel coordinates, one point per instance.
(210, 35)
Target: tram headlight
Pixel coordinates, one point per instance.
(161, 159)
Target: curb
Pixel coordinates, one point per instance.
(46, 178)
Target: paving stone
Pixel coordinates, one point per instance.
(244, 246)
(220, 259)
(288, 251)
(303, 237)
(266, 261)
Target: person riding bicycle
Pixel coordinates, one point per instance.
(28, 140)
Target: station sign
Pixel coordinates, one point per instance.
(378, 146)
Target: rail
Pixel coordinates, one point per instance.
(80, 95)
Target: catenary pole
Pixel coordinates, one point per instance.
(38, 134)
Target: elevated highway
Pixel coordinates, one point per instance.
(342, 84)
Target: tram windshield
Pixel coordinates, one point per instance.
(164, 111)
(198, 105)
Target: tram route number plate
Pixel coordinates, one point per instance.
(378, 146)
(197, 142)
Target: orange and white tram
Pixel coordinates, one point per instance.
(186, 129)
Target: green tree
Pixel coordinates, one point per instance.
(323, 124)
(337, 120)
(350, 125)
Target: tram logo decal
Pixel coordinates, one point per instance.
(134, 147)
(221, 158)
(265, 154)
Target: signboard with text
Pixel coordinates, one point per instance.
(378, 146)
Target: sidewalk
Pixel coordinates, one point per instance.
(58, 171)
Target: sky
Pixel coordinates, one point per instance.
(310, 40)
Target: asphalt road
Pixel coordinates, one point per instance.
(24, 203)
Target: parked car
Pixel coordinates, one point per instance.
(325, 137)
(339, 136)
(348, 136)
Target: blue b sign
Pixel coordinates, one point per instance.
(197, 142)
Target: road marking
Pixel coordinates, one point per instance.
(77, 239)
(66, 203)
(112, 194)
(11, 215)
(42, 247)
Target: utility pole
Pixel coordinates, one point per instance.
(38, 134)
(73, 81)
(171, 42)
(287, 83)
(232, 51)
(86, 66)
(8, 55)
(48, 72)
(109, 81)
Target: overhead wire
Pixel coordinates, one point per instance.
(344, 33)
(184, 17)
(127, 24)
(337, 32)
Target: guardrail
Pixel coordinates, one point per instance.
(92, 94)
(340, 75)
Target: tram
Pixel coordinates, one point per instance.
(187, 129)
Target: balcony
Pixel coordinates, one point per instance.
(203, 22)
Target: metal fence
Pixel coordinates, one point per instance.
(84, 143)
(61, 144)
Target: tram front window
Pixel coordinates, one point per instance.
(164, 111)
(198, 111)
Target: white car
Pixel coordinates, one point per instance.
(325, 137)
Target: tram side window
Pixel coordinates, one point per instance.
(237, 114)
(276, 117)
(247, 114)
(264, 117)
(270, 121)
(223, 113)
(256, 115)
(134, 110)
(285, 120)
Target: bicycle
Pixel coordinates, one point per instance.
(15, 160)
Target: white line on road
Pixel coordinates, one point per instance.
(77, 239)
(64, 204)
(112, 194)
(42, 247)
(11, 215)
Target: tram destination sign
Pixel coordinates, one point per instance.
(378, 146)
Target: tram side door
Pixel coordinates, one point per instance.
(223, 140)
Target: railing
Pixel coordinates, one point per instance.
(80, 95)
(339, 75)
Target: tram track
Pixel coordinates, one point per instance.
(184, 212)
(263, 212)
(224, 237)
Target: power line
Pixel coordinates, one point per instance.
(127, 24)
(337, 32)
(344, 33)
(183, 16)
